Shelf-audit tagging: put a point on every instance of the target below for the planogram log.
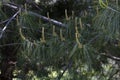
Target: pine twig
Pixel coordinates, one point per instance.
(2, 22)
(111, 57)
(68, 66)
(55, 22)
(48, 19)
(5, 27)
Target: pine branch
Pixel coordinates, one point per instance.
(48, 19)
(5, 27)
(55, 22)
(2, 22)
(111, 57)
(67, 66)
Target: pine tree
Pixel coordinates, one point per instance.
(62, 40)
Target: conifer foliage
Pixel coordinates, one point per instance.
(59, 40)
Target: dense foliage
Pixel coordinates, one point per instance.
(84, 45)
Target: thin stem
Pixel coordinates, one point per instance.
(5, 27)
(111, 57)
(65, 69)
